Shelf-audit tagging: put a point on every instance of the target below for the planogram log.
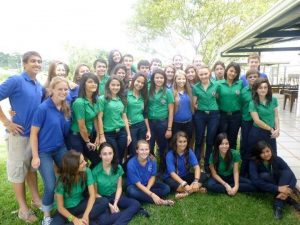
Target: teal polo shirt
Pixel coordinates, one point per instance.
(135, 108)
(206, 99)
(229, 96)
(246, 97)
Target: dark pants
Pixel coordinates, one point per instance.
(257, 134)
(211, 122)
(138, 132)
(245, 185)
(99, 207)
(76, 142)
(285, 177)
(128, 208)
(118, 139)
(230, 124)
(244, 147)
(189, 178)
(158, 188)
(186, 127)
(158, 130)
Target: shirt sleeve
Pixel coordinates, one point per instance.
(252, 107)
(194, 91)
(89, 177)
(170, 97)
(59, 187)
(101, 104)
(211, 159)
(79, 109)
(154, 165)
(132, 173)
(170, 162)
(192, 158)
(120, 171)
(39, 117)
(236, 156)
(7, 88)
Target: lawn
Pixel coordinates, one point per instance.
(206, 209)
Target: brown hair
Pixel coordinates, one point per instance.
(254, 56)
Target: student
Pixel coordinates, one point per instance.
(219, 70)
(224, 167)
(136, 111)
(72, 206)
(198, 61)
(183, 107)
(154, 65)
(79, 71)
(25, 94)
(82, 136)
(247, 122)
(108, 183)
(127, 60)
(177, 62)
(180, 159)
(49, 127)
(144, 66)
(114, 58)
(160, 113)
(254, 64)
(100, 67)
(264, 112)
(120, 71)
(270, 173)
(207, 115)
(141, 180)
(191, 75)
(229, 91)
(112, 119)
(170, 73)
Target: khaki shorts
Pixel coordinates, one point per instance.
(19, 157)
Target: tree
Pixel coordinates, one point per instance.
(201, 25)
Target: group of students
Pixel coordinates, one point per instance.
(127, 112)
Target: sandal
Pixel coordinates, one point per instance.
(36, 205)
(180, 195)
(28, 217)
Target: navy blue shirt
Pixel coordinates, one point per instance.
(245, 81)
(256, 168)
(181, 170)
(138, 173)
(53, 126)
(183, 112)
(24, 95)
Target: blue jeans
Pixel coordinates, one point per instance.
(138, 132)
(158, 130)
(257, 134)
(128, 208)
(158, 188)
(76, 142)
(46, 170)
(245, 185)
(211, 121)
(186, 127)
(230, 124)
(244, 149)
(99, 207)
(284, 177)
(118, 139)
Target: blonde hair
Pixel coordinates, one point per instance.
(64, 106)
(187, 89)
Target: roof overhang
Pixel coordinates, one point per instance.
(278, 25)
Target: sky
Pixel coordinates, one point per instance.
(47, 26)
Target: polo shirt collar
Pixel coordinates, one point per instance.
(27, 77)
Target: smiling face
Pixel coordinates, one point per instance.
(219, 72)
(191, 74)
(143, 151)
(170, 74)
(204, 75)
(224, 146)
(251, 78)
(91, 86)
(181, 144)
(82, 70)
(266, 154)
(60, 70)
(262, 90)
(121, 74)
(139, 83)
(82, 164)
(159, 80)
(100, 69)
(253, 63)
(180, 80)
(117, 57)
(128, 62)
(114, 87)
(60, 91)
(177, 61)
(231, 74)
(144, 69)
(33, 65)
(107, 155)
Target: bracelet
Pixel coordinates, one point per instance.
(169, 129)
(183, 184)
(87, 141)
(7, 123)
(101, 134)
(70, 218)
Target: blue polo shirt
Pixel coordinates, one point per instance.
(72, 95)
(53, 126)
(181, 170)
(183, 112)
(24, 95)
(245, 81)
(138, 173)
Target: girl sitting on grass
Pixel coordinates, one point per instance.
(224, 167)
(179, 161)
(270, 173)
(141, 178)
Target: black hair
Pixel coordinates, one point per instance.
(82, 92)
(216, 152)
(237, 69)
(100, 60)
(114, 162)
(27, 55)
(143, 62)
(152, 84)
(256, 85)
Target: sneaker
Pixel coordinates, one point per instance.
(144, 212)
(278, 213)
(47, 220)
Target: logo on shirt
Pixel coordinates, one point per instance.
(163, 101)
(237, 92)
(150, 168)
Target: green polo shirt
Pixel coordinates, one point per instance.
(159, 103)
(266, 112)
(75, 196)
(135, 108)
(246, 97)
(229, 96)
(221, 170)
(112, 113)
(106, 183)
(206, 99)
(102, 85)
(83, 110)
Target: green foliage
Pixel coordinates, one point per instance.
(10, 61)
(205, 25)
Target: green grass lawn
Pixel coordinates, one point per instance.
(206, 209)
